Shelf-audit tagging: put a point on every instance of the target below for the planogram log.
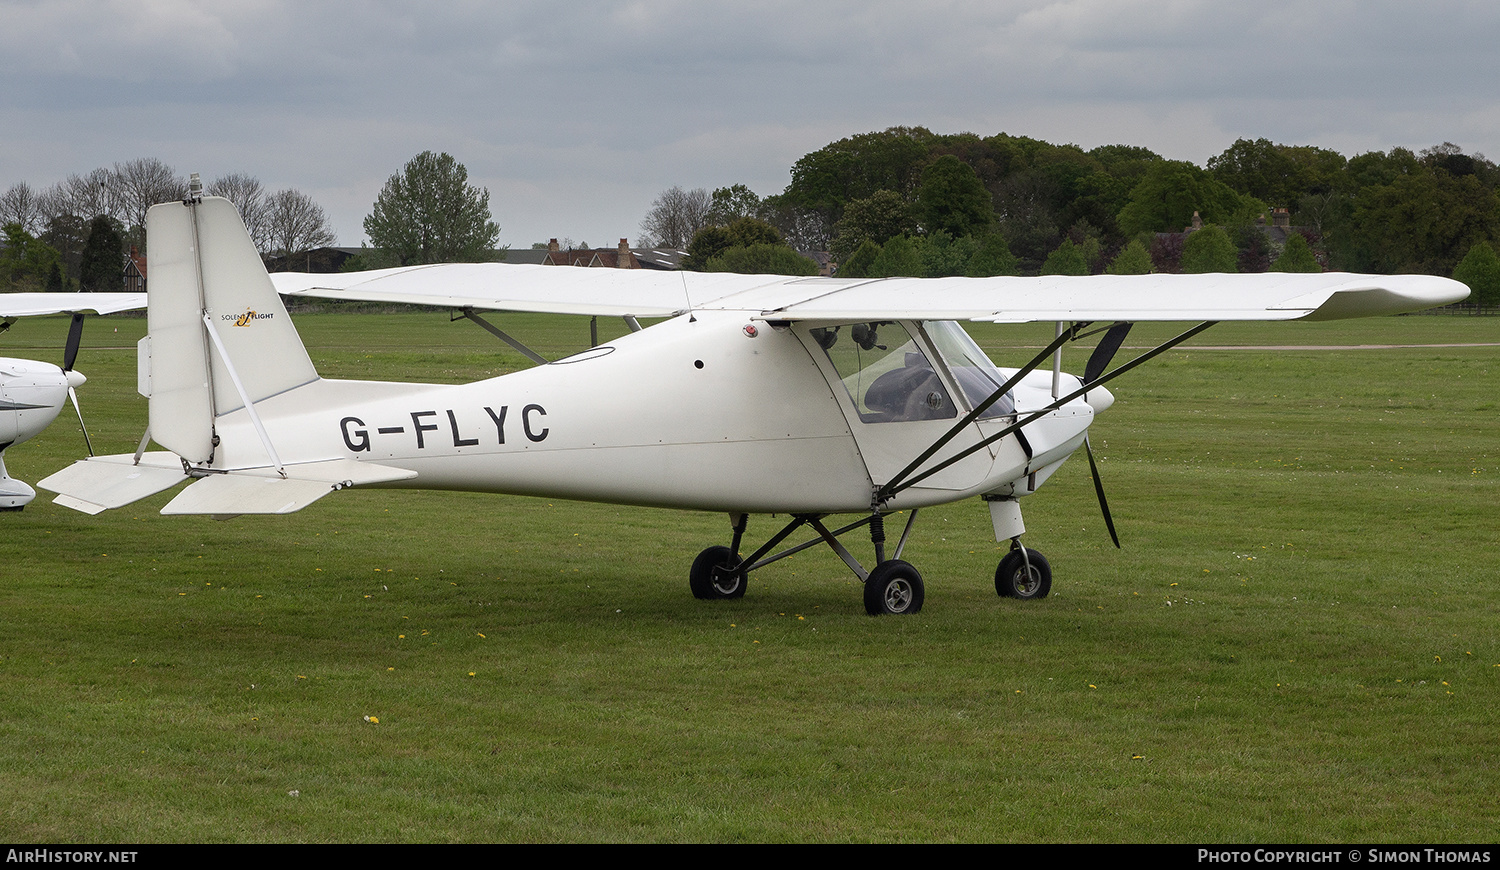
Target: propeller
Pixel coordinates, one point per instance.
(1099, 360)
(76, 379)
(1109, 521)
(1104, 351)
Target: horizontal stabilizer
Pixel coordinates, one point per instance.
(100, 483)
(229, 495)
(103, 482)
(263, 491)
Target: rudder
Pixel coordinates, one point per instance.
(207, 277)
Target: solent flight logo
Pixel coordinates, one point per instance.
(248, 317)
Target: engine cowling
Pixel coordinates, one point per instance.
(31, 395)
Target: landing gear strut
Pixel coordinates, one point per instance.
(718, 572)
(893, 587)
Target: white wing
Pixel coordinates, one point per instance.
(34, 304)
(647, 293)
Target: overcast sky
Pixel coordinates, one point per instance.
(575, 116)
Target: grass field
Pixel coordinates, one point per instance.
(1299, 641)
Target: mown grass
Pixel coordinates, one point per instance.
(1298, 643)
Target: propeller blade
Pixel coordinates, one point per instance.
(73, 394)
(1104, 351)
(1109, 521)
(75, 335)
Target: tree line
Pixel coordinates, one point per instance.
(75, 235)
(907, 201)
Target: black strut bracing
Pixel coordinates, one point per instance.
(894, 485)
(902, 481)
(759, 559)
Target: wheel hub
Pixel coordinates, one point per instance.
(898, 595)
(725, 580)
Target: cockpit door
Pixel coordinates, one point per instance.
(897, 400)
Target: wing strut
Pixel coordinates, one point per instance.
(504, 336)
(896, 485)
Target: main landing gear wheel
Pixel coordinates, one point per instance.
(1014, 580)
(894, 587)
(713, 575)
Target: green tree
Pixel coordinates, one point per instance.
(1421, 222)
(804, 229)
(1165, 199)
(953, 200)
(944, 256)
(1133, 259)
(858, 264)
(429, 213)
(1297, 256)
(1066, 259)
(1480, 269)
(730, 203)
(68, 233)
(856, 167)
(993, 257)
(898, 258)
(877, 218)
(1254, 246)
(26, 263)
(762, 259)
(711, 241)
(102, 264)
(1258, 168)
(1209, 250)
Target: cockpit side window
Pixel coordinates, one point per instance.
(971, 368)
(887, 375)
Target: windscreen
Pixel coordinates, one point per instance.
(976, 375)
(885, 372)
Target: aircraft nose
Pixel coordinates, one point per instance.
(1099, 399)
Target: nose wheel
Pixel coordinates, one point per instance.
(1023, 573)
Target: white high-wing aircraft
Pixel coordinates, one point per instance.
(32, 393)
(758, 395)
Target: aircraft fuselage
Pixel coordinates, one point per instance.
(713, 412)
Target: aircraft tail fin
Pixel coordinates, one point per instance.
(218, 336)
(218, 343)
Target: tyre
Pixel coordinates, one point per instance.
(712, 576)
(894, 587)
(1014, 580)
